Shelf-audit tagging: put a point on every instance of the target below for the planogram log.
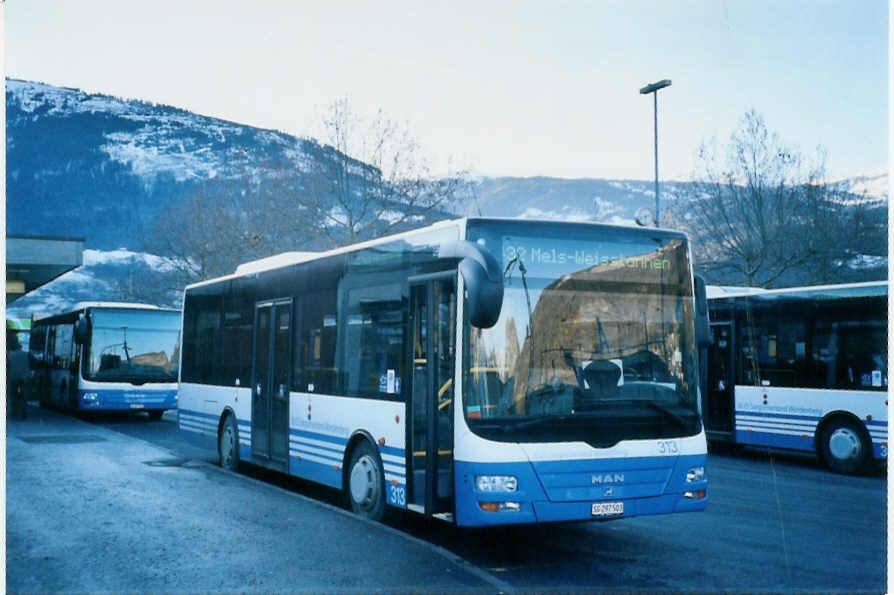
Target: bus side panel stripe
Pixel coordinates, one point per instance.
(775, 439)
(325, 474)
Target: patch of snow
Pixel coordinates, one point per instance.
(564, 215)
(122, 256)
(391, 217)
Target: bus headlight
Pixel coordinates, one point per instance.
(695, 474)
(90, 397)
(496, 483)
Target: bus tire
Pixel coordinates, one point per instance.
(228, 444)
(156, 414)
(366, 483)
(844, 446)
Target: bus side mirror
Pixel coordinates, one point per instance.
(702, 323)
(483, 280)
(80, 330)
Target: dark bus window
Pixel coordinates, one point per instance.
(813, 343)
(372, 351)
(850, 346)
(319, 333)
(201, 339)
(235, 332)
(773, 348)
(63, 346)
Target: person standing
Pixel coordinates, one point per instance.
(18, 369)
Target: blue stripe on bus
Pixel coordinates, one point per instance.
(778, 415)
(202, 414)
(318, 436)
(327, 469)
(392, 450)
(757, 438)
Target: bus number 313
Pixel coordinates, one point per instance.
(398, 495)
(668, 447)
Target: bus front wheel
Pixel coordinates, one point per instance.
(844, 446)
(366, 483)
(228, 444)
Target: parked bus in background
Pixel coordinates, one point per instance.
(804, 369)
(104, 356)
(482, 371)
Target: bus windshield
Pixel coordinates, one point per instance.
(133, 346)
(595, 340)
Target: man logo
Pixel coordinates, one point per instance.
(609, 491)
(607, 478)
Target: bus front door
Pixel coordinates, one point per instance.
(430, 410)
(270, 384)
(719, 419)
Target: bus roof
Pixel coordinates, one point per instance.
(289, 258)
(721, 292)
(82, 306)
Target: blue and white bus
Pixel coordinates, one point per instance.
(104, 356)
(482, 371)
(803, 369)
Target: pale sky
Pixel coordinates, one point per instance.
(502, 88)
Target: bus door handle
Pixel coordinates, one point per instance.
(282, 392)
(258, 389)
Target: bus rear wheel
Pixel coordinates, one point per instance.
(844, 446)
(156, 414)
(366, 483)
(228, 444)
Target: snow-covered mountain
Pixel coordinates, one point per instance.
(104, 168)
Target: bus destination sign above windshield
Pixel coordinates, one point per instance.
(551, 256)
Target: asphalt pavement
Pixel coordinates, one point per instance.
(91, 510)
(123, 504)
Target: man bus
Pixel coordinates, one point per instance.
(483, 371)
(802, 369)
(103, 356)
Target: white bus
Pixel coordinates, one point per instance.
(803, 369)
(483, 371)
(105, 356)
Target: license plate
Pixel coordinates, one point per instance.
(136, 405)
(607, 508)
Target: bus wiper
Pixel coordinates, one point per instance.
(649, 403)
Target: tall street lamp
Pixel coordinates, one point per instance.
(653, 88)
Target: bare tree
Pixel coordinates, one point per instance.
(371, 178)
(760, 211)
(224, 223)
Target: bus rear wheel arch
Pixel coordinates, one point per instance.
(843, 444)
(364, 481)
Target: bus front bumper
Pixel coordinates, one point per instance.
(579, 490)
(126, 400)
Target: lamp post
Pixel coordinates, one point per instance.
(653, 89)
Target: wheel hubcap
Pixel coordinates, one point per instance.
(227, 446)
(364, 481)
(844, 444)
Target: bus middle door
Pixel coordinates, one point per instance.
(271, 384)
(719, 415)
(430, 411)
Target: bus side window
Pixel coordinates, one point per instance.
(319, 323)
(236, 333)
